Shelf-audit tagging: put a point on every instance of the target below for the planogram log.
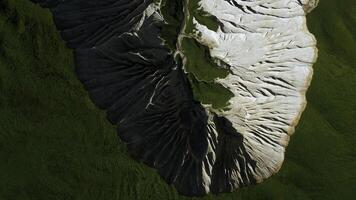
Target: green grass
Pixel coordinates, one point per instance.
(55, 144)
(201, 16)
(202, 73)
(201, 69)
(172, 11)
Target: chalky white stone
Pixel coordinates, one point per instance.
(270, 53)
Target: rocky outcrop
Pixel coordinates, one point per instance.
(129, 71)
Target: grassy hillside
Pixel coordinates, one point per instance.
(55, 144)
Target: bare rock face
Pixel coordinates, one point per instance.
(309, 5)
(269, 53)
(128, 71)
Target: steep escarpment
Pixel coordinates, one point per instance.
(206, 92)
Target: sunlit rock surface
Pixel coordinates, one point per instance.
(270, 54)
(129, 71)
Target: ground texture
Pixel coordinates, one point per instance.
(55, 144)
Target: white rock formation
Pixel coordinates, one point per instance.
(270, 53)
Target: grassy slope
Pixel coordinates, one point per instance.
(201, 69)
(54, 144)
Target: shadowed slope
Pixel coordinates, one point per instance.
(54, 144)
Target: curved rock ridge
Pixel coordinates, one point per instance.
(128, 71)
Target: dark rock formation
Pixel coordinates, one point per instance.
(129, 72)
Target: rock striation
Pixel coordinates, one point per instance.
(129, 71)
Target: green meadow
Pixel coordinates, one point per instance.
(56, 145)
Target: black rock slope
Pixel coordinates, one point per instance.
(127, 71)
(86, 23)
